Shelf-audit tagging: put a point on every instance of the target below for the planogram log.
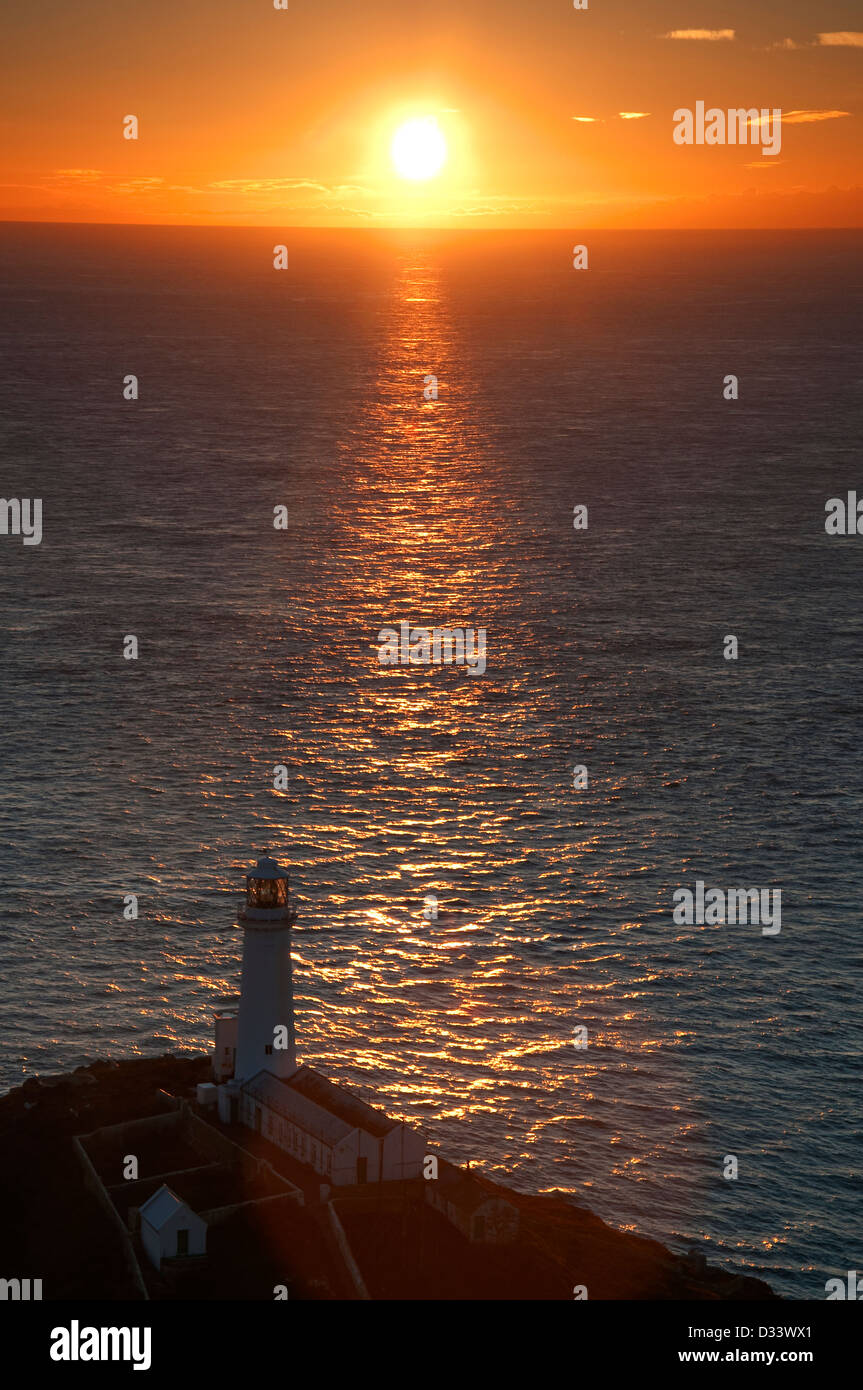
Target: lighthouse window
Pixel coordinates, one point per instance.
(267, 893)
(268, 1049)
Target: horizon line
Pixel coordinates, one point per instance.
(410, 227)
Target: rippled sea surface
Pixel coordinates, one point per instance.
(258, 647)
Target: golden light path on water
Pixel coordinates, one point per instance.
(457, 1019)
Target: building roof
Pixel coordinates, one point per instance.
(338, 1101)
(278, 1094)
(267, 868)
(164, 1203)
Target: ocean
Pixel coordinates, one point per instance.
(258, 648)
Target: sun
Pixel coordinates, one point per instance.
(418, 149)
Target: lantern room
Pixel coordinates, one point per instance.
(267, 887)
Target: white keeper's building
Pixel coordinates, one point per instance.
(322, 1125)
(170, 1230)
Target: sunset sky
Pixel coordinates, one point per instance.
(551, 116)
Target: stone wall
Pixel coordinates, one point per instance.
(346, 1252)
(94, 1183)
(217, 1215)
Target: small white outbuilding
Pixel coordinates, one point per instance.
(170, 1230)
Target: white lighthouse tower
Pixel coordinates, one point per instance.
(265, 1027)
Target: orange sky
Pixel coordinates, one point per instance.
(251, 115)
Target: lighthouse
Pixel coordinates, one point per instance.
(324, 1127)
(265, 1026)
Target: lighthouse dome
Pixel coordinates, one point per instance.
(267, 867)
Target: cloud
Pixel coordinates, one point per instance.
(624, 116)
(795, 118)
(845, 38)
(712, 34)
(78, 175)
(497, 206)
(803, 117)
(143, 185)
(267, 185)
(287, 185)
